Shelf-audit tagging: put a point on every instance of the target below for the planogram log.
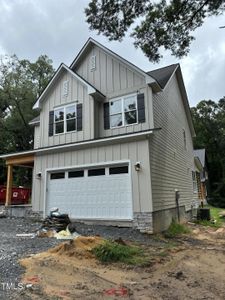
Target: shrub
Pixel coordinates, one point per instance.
(111, 251)
(176, 229)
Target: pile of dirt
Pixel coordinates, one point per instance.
(81, 246)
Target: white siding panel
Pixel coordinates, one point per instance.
(171, 164)
(133, 152)
(77, 94)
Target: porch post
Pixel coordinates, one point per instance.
(9, 185)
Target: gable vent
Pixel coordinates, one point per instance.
(93, 62)
(65, 88)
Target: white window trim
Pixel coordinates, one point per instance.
(64, 119)
(194, 182)
(122, 98)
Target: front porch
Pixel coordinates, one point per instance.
(25, 160)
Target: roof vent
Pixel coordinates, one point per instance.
(93, 62)
(65, 88)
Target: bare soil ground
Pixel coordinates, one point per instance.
(188, 267)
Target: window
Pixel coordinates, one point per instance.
(123, 111)
(59, 175)
(194, 181)
(65, 119)
(74, 174)
(96, 172)
(118, 170)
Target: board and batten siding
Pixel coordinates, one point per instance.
(36, 136)
(77, 93)
(132, 151)
(171, 163)
(114, 79)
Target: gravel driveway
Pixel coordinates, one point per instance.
(13, 248)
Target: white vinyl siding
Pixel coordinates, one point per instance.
(77, 94)
(115, 80)
(171, 163)
(132, 152)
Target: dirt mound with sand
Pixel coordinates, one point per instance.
(81, 246)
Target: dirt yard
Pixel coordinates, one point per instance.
(188, 267)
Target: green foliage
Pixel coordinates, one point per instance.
(21, 82)
(217, 221)
(176, 229)
(209, 123)
(167, 24)
(111, 251)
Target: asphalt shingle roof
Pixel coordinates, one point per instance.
(162, 75)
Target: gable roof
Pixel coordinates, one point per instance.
(163, 75)
(90, 42)
(63, 67)
(200, 153)
(35, 121)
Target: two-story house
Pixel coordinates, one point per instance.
(113, 144)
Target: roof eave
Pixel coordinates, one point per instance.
(90, 89)
(198, 163)
(153, 83)
(186, 103)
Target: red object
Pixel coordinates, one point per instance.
(121, 292)
(34, 279)
(19, 195)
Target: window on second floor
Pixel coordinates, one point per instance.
(123, 111)
(65, 119)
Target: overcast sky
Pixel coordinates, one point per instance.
(29, 28)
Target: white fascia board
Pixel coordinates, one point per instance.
(198, 164)
(4, 156)
(90, 143)
(34, 123)
(138, 135)
(90, 89)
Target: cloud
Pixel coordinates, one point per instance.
(29, 28)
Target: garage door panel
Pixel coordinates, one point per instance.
(94, 197)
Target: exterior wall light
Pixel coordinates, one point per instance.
(38, 175)
(137, 166)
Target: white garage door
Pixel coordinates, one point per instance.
(94, 193)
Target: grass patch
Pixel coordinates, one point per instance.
(215, 216)
(111, 251)
(176, 229)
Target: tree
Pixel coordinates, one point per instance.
(162, 24)
(21, 82)
(209, 123)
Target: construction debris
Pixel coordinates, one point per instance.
(56, 221)
(26, 235)
(66, 235)
(43, 233)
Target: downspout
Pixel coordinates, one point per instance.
(177, 197)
